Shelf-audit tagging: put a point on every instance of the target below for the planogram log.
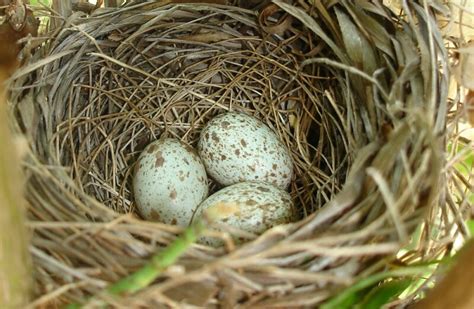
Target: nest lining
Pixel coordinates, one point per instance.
(170, 81)
(365, 148)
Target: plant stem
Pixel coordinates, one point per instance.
(157, 264)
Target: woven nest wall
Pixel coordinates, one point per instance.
(356, 92)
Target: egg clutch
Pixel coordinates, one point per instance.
(241, 154)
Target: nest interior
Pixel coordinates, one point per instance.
(354, 91)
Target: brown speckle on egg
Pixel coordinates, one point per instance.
(159, 159)
(173, 194)
(152, 148)
(250, 203)
(154, 215)
(137, 168)
(215, 138)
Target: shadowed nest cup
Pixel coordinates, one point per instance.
(357, 94)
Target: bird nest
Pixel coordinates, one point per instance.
(356, 93)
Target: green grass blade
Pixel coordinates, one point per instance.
(351, 296)
(384, 293)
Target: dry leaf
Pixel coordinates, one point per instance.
(455, 290)
(361, 52)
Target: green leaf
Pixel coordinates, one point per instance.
(351, 295)
(385, 293)
(348, 301)
(36, 2)
(470, 226)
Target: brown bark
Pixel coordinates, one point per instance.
(19, 23)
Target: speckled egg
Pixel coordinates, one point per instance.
(236, 147)
(249, 206)
(169, 182)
